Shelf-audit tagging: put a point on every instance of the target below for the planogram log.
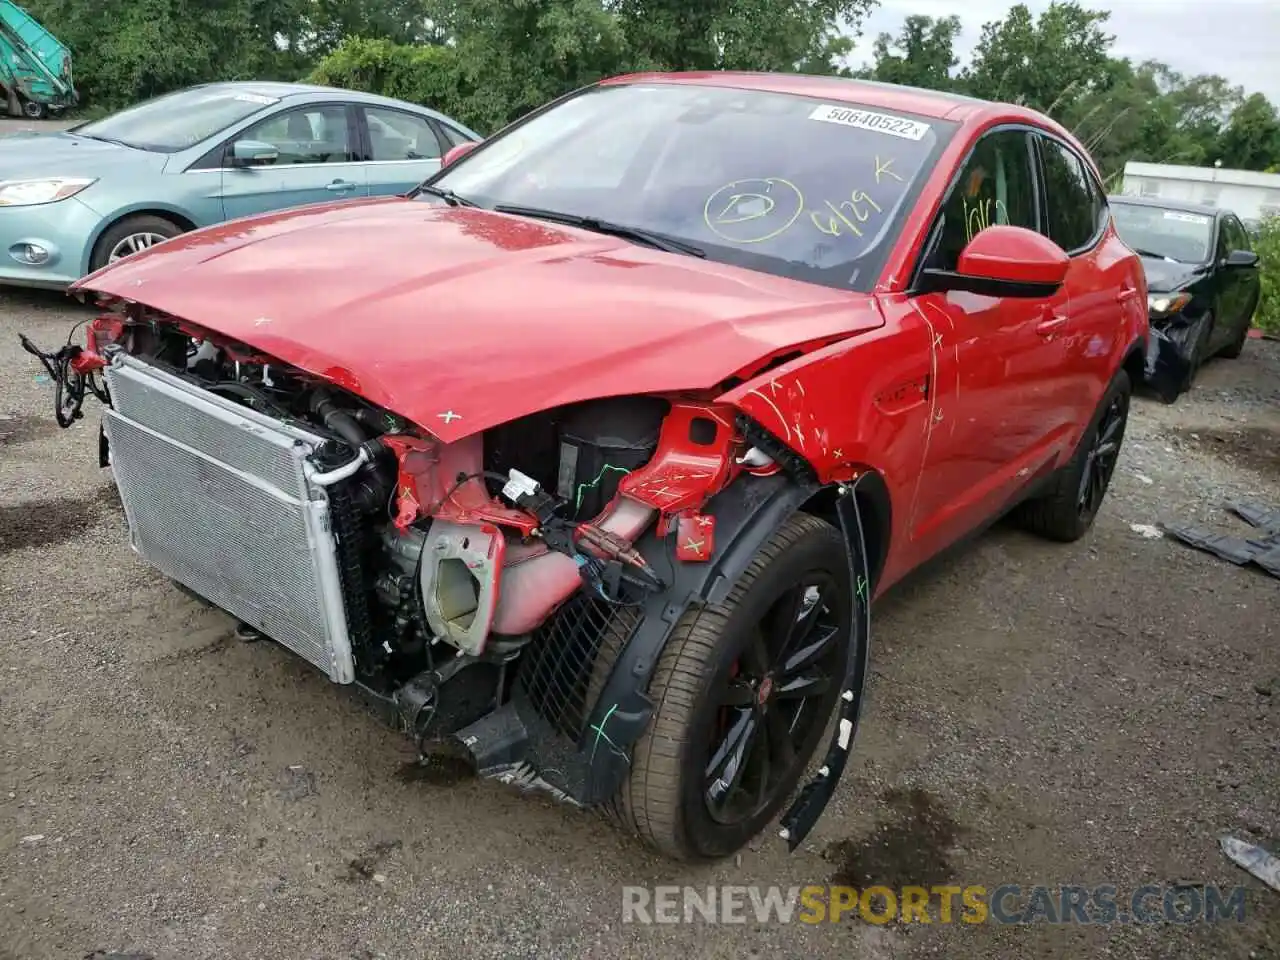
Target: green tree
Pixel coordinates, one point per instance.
(127, 50)
(1268, 247)
(1251, 139)
(1043, 63)
(921, 55)
(741, 34)
(506, 57)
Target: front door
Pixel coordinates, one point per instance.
(1239, 285)
(1097, 297)
(316, 162)
(989, 416)
(403, 150)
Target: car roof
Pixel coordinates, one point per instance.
(936, 104)
(1183, 206)
(283, 91)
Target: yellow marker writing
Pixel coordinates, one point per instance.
(846, 215)
(884, 168)
(977, 216)
(753, 210)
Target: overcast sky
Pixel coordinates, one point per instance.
(1234, 38)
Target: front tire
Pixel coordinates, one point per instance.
(131, 235)
(1067, 511)
(744, 691)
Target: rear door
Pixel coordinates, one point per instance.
(1079, 356)
(988, 418)
(317, 162)
(403, 149)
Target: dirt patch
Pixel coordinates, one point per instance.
(44, 523)
(910, 846)
(439, 771)
(16, 428)
(365, 866)
(297, 784)
(1253, 448)
(109, 497)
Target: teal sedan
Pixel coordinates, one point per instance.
(73, 201)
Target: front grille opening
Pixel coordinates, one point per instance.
(569, 661)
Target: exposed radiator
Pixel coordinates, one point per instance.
(218, 498)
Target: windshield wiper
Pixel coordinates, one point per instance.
(659, 241)
(1151, 254)
(448, 196)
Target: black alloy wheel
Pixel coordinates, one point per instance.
(744, 692)
(1103, 452)
(777, 698)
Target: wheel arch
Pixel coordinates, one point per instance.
(1135, 363)
(875, 509)
(162, 211)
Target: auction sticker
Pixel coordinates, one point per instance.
(866, 120)
(1185, 217)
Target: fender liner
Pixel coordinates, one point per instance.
(813, 798)
(746, 513)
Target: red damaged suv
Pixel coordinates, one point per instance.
(587, 458)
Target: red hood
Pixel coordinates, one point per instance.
(461, 319)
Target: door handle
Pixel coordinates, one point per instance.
(338, 186)
(1047, 328)
(1126, 294)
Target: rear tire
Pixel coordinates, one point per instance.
(1067, 511)
(734, 668)
(34, 111)
(1236, 346)
(131, 235)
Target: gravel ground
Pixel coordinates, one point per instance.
(1094, 713)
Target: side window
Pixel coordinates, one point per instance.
(1077, 209)
(1238, 237)
(1224, 239)
(454, 135)
(316, 134)
(400, 136)
(996, 186)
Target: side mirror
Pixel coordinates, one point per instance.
(454, 154)
(1241, 258)
(1004, 261)
(245, 153)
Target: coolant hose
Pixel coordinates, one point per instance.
(337, 419)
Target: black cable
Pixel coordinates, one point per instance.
(72, 332)
(69, 386)
(463, 478)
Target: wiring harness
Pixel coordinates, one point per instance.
(74, 372)
(607, 563)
